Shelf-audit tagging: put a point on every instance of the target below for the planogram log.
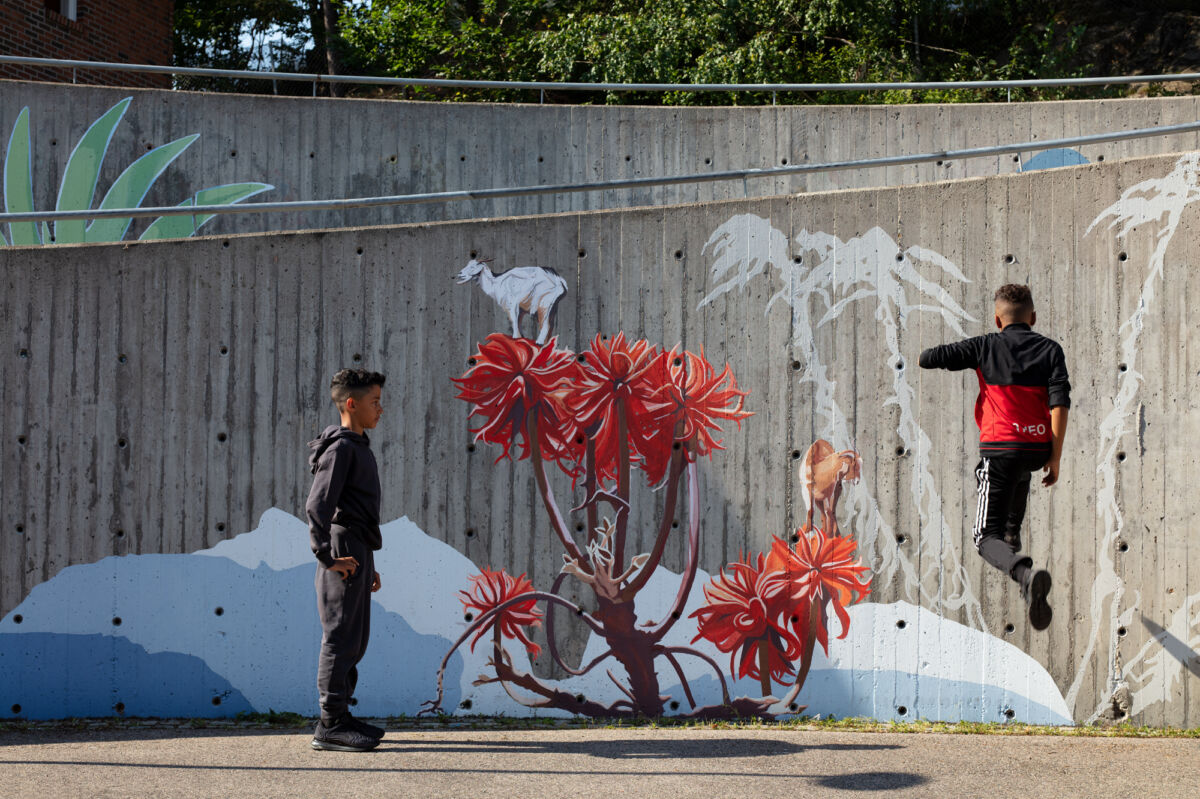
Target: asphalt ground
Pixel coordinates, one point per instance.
(633, 762)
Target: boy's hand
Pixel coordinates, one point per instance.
(376, 584)
(344, 566)
(1051, 470)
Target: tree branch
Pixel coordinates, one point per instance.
(664, 528)
(689, 574)
(687, 689)
(687, 650)
(556, 518)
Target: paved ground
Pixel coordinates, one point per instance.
(639, 762)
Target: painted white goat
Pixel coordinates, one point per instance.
(532, 290)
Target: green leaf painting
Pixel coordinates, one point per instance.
(78, 187)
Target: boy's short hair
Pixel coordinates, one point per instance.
(353, 383)
(1017, 299)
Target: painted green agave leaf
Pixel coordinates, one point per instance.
(131, 187)
(83, 170)
(18, 183)
(178, 227)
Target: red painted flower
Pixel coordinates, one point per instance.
(615, 379)
(489, 590)
(696, 398)
(822, 569)
(511, 382)
(745, 607)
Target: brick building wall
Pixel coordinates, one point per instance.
(132, 31)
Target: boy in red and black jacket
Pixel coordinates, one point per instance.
(1024, 396)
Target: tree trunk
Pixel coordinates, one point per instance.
(333, 60)
(634, 649)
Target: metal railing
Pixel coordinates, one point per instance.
(543, 86)
(622, 183)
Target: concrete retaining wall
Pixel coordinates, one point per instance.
(157, 398)
(323, 148)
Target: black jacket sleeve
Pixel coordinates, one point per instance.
(328, 481)
(1059, 388)
(959, 355)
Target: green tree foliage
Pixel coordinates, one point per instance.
(681, 41)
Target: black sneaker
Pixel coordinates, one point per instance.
(342, 736)
(1035, 591)
(370, 730)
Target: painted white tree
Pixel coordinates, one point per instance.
(871, 267)
(1159, 202)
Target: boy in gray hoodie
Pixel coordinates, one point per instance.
(343, 523)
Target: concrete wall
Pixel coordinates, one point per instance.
(324, 148)
(157, 398)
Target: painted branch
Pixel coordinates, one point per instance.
(434, 706)
(556, 518)
(664, 528)
(554, 697)
(622, 488)
(687, 650)
(814, 618)
(589, 487)
(741, 708)
(687, 688)
(551, 643)
(764, 667)
(689, 572)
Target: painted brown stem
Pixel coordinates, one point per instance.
(693, 558)
(551, 644)
(685, 650)
(589, 487)
(622, 487)
(683, 681)
(764, 667)
(814, 618)
(664, 527)
(556, 518)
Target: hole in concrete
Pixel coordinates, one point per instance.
(679, 255)
(221, 437)
(358, 251)
(149, 146)
(580, 698)
(581, 358)
(470, 447)
(578, 611)
(20, 528)
(1123, 546)
(795, 454)
(797, 259)
(900, 451)
(120, 533)
(312, 155)
(582, 253)
(122, 443)
(579, 440)
(678, 361)
(902, 710)
(470, 361)
(469, 616)
(675, 524)
(604, 337)
(353, 701)
(1010, 714)
(121, 358)
(233, 153)
(225, 243)
(783, 161)
(1099, 158)
(1121, 456)
(465, 704)
(901, 539)
(462, 158)
(1008, 628)
(795, 537)
(223, 350)
(473, 253)
(1010, 259)
(939, 163)
(629, 158)
(119, 707)
(470, 532)
(1122, 256)
(24, 353)
(675, 615)
(220, 527)
(540, 159)
(675, 445)
(1122, 367)
(674, 704)
(1121, 631)
(1016, 159)
(16, 709)
(899, 257)
(707, 161)
(116, 622)
(579, 527)
(18, 619)
(392, 159)
(219, 611)
(901, 624)
(793, 707)
(795, 365)
(356, 357)
(899, 364)
(54, 142)
(21, 440)
(216, 700)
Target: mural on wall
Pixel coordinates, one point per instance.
(77, 188)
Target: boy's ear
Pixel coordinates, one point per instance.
(1033, 318)
(999, 323)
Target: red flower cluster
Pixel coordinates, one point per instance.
(613, 393)
(770, 601)
(491, 589)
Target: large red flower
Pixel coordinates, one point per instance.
(745, 607)
(489, 590)
(695, 398)
(616, 378)
(513, 381)
(822, 569)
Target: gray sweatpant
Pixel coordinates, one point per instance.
(345, 610)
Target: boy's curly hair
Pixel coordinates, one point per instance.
(353, 383)
(1017, 297)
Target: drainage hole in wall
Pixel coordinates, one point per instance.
(793, 707)
(1010, 259)
(219, 611)
(473, 253)
(1121, 631)
(468, 616)
(358, 251)
(470, 447)
(356, 357)
(541, 159)
(121, 358)
(939, 163)
(675, 615)
(674, 704)
(1099, 158)
(353, 701)
(465, 704)
(1010, 714)
(24, 353)
(899, 364)
(902, 710)
(1120, 456)
(470, 532)
(470, 361)
(674, 524)
(54, 142)
(797, 259)
(1122, 367)
(116, 622)
(795, 538)
(900, 451)
(579, 440)
(122, 443)
(783, 161)
(223, 350)
(392, 159)
(21, 440)
(220, 527)
(899, 257)
(1016, 159)
(578, 611)
(582, 253)
(462, 158)
(795, 366)
(216, 700)
(900, 625)
(675, 445)
(1122, 256)
(1008, 628)
(707, 161)
(604, 337)
(629, 158)
(17, 619)
(1123, 547)
(580, 698)
(795, 454)
(582, 358)
(120, 533)
(901, 539)
(221, 437)
(679, 255)
(16, 709)
(312, 155)
(233, 153)
(579, 527)
(20, 528)
(225, 243)
(677, 362)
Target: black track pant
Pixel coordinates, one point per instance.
(345, 610)
(1003, 491)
